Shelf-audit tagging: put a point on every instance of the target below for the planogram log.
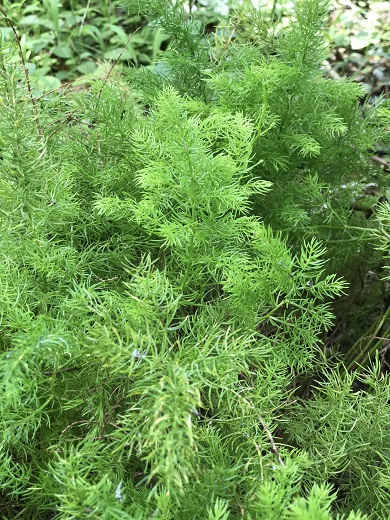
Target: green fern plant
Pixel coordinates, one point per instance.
(310, 139)
(351, 440)
(153, 324)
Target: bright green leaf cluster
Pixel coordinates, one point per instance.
(154, 328)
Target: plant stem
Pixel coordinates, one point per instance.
(371, 346)
(26, 73)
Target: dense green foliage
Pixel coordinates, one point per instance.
(64, 40)
(171, 245)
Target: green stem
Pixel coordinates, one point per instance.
(189, 263)
(336, 228)
(273, 10)
(269, 315)
(194, 216)
(261, 119)
(360, 357)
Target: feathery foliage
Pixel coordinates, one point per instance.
(155, 321)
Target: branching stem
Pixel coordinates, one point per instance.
(26, 73)
(115, 62)
(273, 444)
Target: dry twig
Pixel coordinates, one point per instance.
(115, 62)
(26, 73)
(273, 444)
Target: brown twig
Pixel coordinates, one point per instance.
(71, 426)
(63, 121)
(115, 62)
(25, 72)
(105, 81)
(385, 165)
(63, 86)
(59, 371)
(274, 447)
